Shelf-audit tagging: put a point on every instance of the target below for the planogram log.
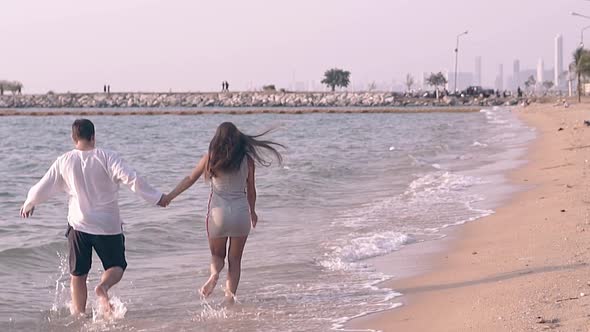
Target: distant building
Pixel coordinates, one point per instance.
(558, 69)
(448, 76)
(464, 80)
(540, 72)
(509, 83)
(516, 78)
(500, 78)
(477, 79)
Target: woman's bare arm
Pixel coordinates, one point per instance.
(188, 181)
(251, 191)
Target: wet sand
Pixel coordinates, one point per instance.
(524, 268)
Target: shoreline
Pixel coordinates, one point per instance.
(233, 111)
(522, 268)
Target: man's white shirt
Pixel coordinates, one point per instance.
(91, 179)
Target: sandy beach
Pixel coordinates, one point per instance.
(524, 268)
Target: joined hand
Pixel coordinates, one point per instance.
(164, 200)
(26, 214)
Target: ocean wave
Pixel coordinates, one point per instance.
(438, 183)
(33, 250)
(432, 201)
(494, 117)
(476, 143)
(345, 257)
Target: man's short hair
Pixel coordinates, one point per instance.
(82, 129)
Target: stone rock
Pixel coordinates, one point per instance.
(450, 101)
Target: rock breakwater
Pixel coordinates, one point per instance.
(235, 99)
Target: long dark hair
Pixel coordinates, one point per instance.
(229, 147)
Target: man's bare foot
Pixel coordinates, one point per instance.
(75, 311)
(209, 286)
(78, 314)
(103, 297)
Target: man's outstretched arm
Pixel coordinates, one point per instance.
(128, 176)
(51, 183)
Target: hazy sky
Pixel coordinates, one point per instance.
(189, 45)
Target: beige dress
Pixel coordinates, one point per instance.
(228, 212)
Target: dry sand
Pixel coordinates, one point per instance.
(525, 268)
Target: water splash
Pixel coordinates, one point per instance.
(210, 312)
(118, 311)
(61, 298)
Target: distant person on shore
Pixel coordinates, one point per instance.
(91, 177)
(105, 88)
(229, 165)
(226, 86)
(108, 89)
(519, 92)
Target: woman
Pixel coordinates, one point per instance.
(230, 165)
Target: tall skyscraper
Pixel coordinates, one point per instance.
(516, 74)
(500, 78)
(558, 69)
(540, 70)
(478, 70)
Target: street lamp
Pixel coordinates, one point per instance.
(581, 45)
(457, 56)
(580, 15)
(582, 35)
(582, 31)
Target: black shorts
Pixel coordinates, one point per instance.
(109, 248)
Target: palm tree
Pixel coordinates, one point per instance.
(581, 65)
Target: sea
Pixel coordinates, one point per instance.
(352, 187)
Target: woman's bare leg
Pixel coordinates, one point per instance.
(236, 248)
(217, 247)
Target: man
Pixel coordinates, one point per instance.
(91, 177)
